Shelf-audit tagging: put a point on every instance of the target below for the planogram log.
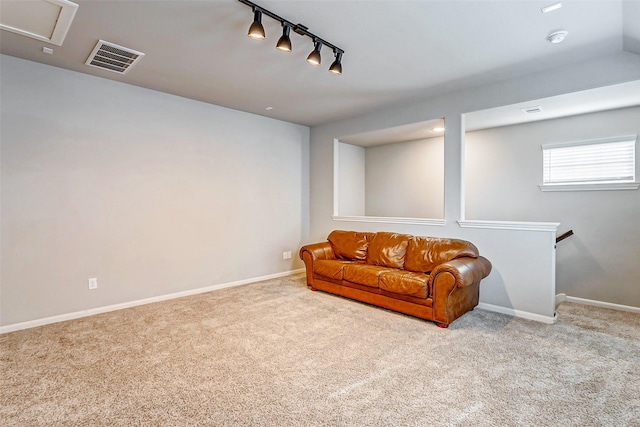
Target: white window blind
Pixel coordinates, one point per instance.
(591, 162)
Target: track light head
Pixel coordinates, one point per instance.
(336, 67)
(256, 30)
(314, 57)
(284, 43)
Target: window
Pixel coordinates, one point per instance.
(606, 164)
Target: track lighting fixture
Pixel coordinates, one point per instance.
(336, 67)
(256, 32)
(284, 43)
(314, 57)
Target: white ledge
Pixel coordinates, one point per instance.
(590, 187)
(391, 220)
(511, 225)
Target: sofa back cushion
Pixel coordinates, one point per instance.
(388, 249)
(350, 245)
(426, 253)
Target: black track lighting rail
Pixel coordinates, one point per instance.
(303, 30)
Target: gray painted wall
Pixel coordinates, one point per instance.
(503, 171)
(150, 193)
(405, 179)
(155, 194)
(351, 160)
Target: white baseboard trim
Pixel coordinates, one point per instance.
(549, 320)
(98, 310)
(564, 297)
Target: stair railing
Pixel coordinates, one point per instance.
(564, 236)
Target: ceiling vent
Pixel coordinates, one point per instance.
(112, 57)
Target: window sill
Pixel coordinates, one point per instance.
(591, 187)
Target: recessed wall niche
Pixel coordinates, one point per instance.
(391, 173)
(503, 152)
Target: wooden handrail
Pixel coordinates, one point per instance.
(564, 236)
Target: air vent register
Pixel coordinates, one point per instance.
(112, 57)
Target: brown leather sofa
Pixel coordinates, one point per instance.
(431, 278)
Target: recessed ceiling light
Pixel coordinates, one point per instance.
(557, 36)
(269, 108)
(551, 7)
(47, 50)
(438, 129)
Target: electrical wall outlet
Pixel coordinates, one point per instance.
(286, 255)
(93, 283)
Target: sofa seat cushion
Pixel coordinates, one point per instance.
(364, 274)
(388, 249)
(406, 283)
(330, 268)
(351, 245)
(426, 253)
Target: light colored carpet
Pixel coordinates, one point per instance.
(276, 354)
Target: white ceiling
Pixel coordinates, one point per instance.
(588, 101)
(395, 51)
(411, 132)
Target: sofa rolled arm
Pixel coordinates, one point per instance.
(450, 282)
(315, 252)
(318, 251)
(466, 270)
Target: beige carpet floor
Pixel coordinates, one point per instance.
(276, 354)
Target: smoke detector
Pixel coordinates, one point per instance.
(557, 36)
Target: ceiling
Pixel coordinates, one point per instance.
(411, 132)
(587, 101)
(395, 51)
